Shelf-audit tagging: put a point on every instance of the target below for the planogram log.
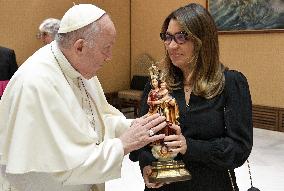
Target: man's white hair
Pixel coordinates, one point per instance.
(66, 40)
(50, 26)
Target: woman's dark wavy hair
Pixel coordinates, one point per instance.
(208, 73)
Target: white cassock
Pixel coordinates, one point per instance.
(47, 140)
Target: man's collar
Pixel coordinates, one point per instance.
(64, 64)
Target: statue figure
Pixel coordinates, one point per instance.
(160, 101)
(168, 105)
(153, 96)
(166, 169)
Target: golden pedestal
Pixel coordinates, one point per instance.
(168, 171)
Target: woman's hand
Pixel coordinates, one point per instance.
(177, 142)
(147, 171)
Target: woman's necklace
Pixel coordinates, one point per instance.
(187, 89)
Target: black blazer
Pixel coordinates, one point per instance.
(8, 64)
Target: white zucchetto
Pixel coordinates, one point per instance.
(79, 16)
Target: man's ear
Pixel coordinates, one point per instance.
(78, 46)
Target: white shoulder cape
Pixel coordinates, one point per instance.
(43, 127)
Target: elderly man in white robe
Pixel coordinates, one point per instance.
(57, 131)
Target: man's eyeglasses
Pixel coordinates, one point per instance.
(40, 35)
(179, 38)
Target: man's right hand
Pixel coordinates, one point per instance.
(139, 133)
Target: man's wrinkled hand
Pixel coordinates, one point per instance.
(142, 132)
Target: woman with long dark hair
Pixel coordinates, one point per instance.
(215, 109)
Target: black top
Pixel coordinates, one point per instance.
(218, 132)
(8, 64)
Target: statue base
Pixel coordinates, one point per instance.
(168, 171)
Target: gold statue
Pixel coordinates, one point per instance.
(166, 169)
(169, 107)
(153, 97)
